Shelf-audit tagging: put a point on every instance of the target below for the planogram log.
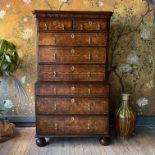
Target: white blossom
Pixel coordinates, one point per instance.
(64, 1)
(25, 19)
(132, 58)
(100, 3)
(124, 68)
(141, 102)
(145, 34)
(23, 79)
(150, 84)
(27, 1)
(27, 33)
(2, 13)
(8, 5)
(8, 104)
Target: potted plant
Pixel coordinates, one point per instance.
(9, 63)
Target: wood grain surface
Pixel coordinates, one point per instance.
(143, 143)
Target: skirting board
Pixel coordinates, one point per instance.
(142, 121)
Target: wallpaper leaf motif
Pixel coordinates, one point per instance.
(138, 44)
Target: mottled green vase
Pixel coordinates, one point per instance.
(125, 118)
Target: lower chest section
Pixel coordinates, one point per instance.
(72, 125)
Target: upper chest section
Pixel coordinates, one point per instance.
(72, 21)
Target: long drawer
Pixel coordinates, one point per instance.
(72, 39)
(71, 72)
(67, 55)
(72, 125)
(66, 105)
(72, 89)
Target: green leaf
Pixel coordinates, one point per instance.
(9, 58)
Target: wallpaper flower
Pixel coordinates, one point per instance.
(132, 46)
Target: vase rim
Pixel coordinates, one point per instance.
(125, 96)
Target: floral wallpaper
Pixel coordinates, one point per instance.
(132, 46)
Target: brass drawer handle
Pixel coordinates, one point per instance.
(72, 68)
(89, 41)
(54, 74)
(90, 22)
(55, 91)
(55, 126)
(54, 40)
(63, 27)
(54, 55)
(81, 27)
(72, 35)
(72, 100)
(89, 74)
(89, 56)
(99, 26)
(72, 51)
(72, 118)
(89, 91)
(88, 126)
(73, 88)
(46, 26)
(88, 107)
(55, 106)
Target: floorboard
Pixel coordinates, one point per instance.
(143, 143)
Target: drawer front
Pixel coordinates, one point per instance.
(72, 39)
(71, 73)
(72, 55)
(90, 24)
(55, 24)
(72, 90)
(72, 125)
(50, 105)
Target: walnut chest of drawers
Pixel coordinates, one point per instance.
(72, 95)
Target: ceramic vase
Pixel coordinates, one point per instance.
(125, 118)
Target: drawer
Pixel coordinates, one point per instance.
(71, 72)
(90, 24)
(81, 55)
(72, 39)
(63, 105)
(85, 90)
(72, 125)
(98, 90)
(55, 24)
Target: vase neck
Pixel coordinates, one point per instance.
(125, 99)
(125, 103)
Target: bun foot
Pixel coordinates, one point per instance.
(104, 141)
(41, 142)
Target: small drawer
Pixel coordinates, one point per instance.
(74, 90)
(81, 55)
(72, 39)
(72, 125)
(55, 24)
(64, 105)
(90, 24)
(71, 72)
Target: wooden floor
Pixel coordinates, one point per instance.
(143, 143)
